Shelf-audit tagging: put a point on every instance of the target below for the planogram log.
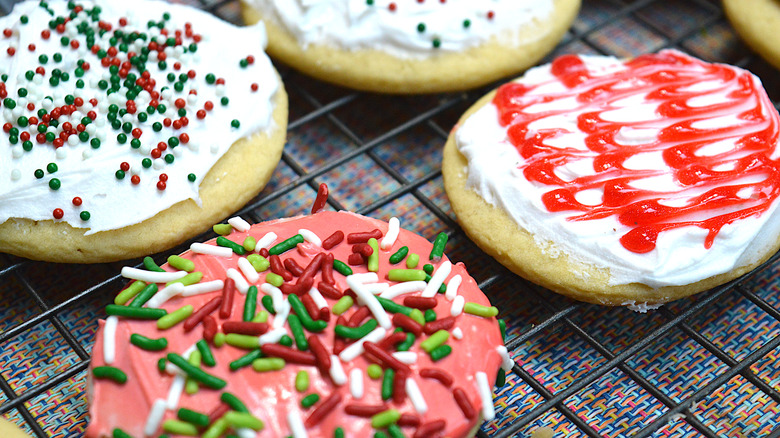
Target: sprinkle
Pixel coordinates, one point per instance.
(440, 352)
(217, 429)
(370, 300)
(245, 360)
(135, 312)
(150, 265)
(452, 287)
(373, 259)
(267, 240)
(393, 307)
(506, 361)
(205, 353)
(244, 420)
(416, 397)
(109, 372)
(412, 261)
(174, 317)
(248, 270)
(356, 348)
(222, 229)
(462, 399)
(286, 245)
(274, 279)
(196, 373)
(480, 310)
(234, 402)
(353, 238)
(486, 394)
(310, 237)
(280, 319)
(272, 336)
(296, 424)
(249, 243)
(241, 284)
(438, 247)
(333, 240)
(327, 406)
(189, 279)
(406, 275)
(392, 233)
(438, 279)
(343, 304)
(310, 400)
(148, 344)
(258, 262)
(227, 243)
(435, 340)
(218, 251)
(321, 199)
(457, 305)
(342, 268)
(129, 292)
(457, 333)
(190, 416)
(319, 300)
(181, 263)
(384, 419)
(155, 417)
(386, 390)
(202, 288)
(109, 339)
(164, 295)
(422, 303)
(276, 295)
(297, 331)
(239, 224)
(355, 332)
(302, 381)
(175, 391)
(336, 371)
(398, 255)
(355, 381)
(268, 364)
(151, 277)
(439, 374)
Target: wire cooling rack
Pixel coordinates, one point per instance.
(705, 366)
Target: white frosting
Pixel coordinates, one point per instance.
(354, 24)
(680, 256)
(90, 173)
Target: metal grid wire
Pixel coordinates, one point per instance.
(704, 366)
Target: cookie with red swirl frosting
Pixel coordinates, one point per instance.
(332, 324)
(756, 22)
(621, 182)
(411, 47)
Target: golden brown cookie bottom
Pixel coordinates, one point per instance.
(757, 22)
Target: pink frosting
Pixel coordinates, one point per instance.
(270, 395)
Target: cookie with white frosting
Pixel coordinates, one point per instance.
(426, 46)
(756, 21)
(128, 128)
(621, 182)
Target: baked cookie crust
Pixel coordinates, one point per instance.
(756, 22)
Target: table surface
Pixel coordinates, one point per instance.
(704, 366)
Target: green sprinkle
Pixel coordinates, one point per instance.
(343, 304)
(412, 261)
(191, 386)
(356, 332)
(428, 268)
(500, 378)
(286, 341)
(250, 304)
(235, 123)
(429, 315)
(144, 296)
(148, 344)
(135, 312)
(297, 331)
(260, 263)
(54, 184)
(190, 416)
(268, 364)
(217, 429)
(417, 315)
(205, 353)
(191, 278)
(268, 303)
(310, 400)
(338, 433)
(440, 352)
(374, 371)
(174, 317)
(395, 431)
(502, 326)
(387, 384)
(249, 243)
(406, 275)
(161, 364)
(177, 427)
(302, 381)
(421, 27)
(111, 373)
(150, 265)
(222, 229)
(262, 316)
(227, 243)
(407, 343)
(119, 433)
(39, 173)
(196, 373)
(219, 339)
(191, 177)
(385, 418)
(480, 310)
(274, 279)
(342, 267)
(373, 259)
(129, 292)
(234, 402)
(399, 255)
(436, 339)
(243, 420)
(245, 360)
(438, 246)
(181, 263)
(246, 342)
(282, 247)
(300, 310)
(393, 307)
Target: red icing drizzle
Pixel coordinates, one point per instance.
(710, 191)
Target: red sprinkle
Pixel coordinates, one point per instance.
(311, 307)
(321, 199)
(464, 403)
(386, 358)
(390, 341)
(359, 410)
(326, 268)
(418, 302)
(357, 318)
(408, 324)
(320, 354)
(331, 241)
(363, 249)
(218, 412)
(326, 406)
(293, 267)
(289, 354)
(195, 319)
(409, 420)
(430, 428)
(299, 288)
(329, 291)
(278, 268)
(209, 328)
(356, 259)
(228, 292)
(244, 328)
(58, 213)
(439, 374)
(363, 237)
(399, 388)
(76, 201)
(439, 324)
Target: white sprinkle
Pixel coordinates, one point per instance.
(150, 276)
(392, 233)
(317, 297)
(486, 394)
(219, 251)
(310, 237)
(367, 277)
(267, 240)
(177, 387)
(457, 305)
(203, 288)
(275, 293)
(155, 417)
(457, 333)
(297, 428)
(437, 280)
(164, 295)
(239, 223)
(370, 300)
(416, 397)
(272, 336)
(452, 287)
(356, 349)
(236, 276)
(403, 288)
(281, 315)
(506, 362)
(337, 371)
(109, 339)
(407, 357)
(248, 270)
(375, 288)
(355, 381)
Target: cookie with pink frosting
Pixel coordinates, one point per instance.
(331, 324)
